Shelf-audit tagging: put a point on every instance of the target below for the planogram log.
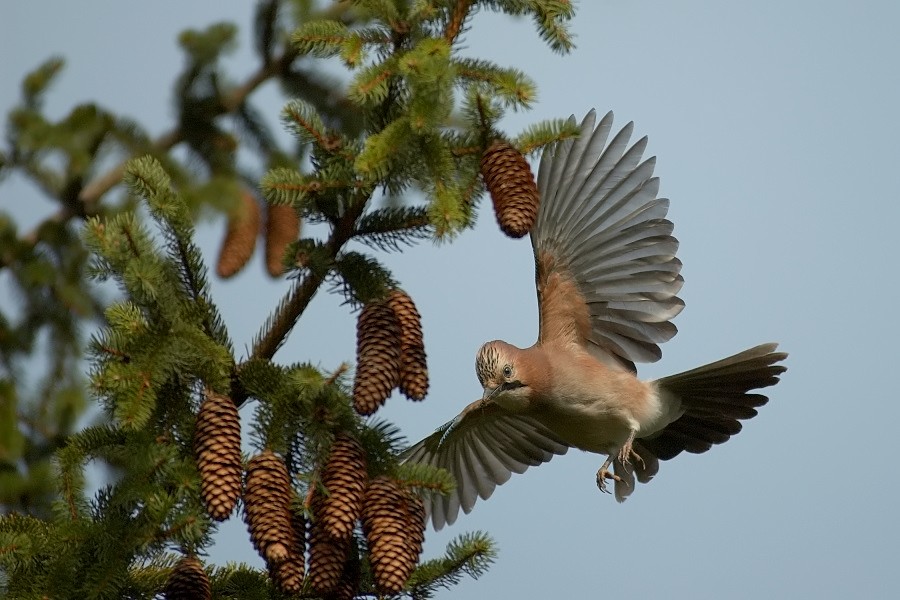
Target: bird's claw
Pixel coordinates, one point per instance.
(627, 451)
(627, 454)
(602, 475)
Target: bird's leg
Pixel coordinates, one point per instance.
(627, 450)
(605, 473)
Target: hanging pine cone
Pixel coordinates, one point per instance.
(240, 237)
(511, 184)
(416, 520)
(377, 357)
(327, 555)
(288, 574)
(413, 367)
(344, 476)
(348, 583)
(267, 508)
(282, 228)
(393, 534)
(217, 449)
(188, 581)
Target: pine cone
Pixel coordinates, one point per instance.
(417, 520)
(282, 228)
(188, 581)
(240, 237)
(327, 555)
(348, 583)
(377, 357)
(413, 366)
(289, 573)
(344, 476)
(217, 449)
(393, 533)
(511, 184)
(267, 508)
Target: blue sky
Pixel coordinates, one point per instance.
(777, 138)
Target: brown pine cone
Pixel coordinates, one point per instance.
(348, 583)
(188, 581)
(282, 228)
(267, 508)
(344, 476)
(217, 449)
(377, 357)
(413, 366)
(240, 237)
(392, 532)
(511, 184)
(416, 520)
(327, 555)
(288, 574)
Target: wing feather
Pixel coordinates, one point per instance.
(481, 449)
(601, 226)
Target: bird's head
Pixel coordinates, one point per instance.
(496, 367)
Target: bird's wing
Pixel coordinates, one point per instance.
(481, 448)
(607, 275)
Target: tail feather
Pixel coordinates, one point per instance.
(715, 399)
(714, 429)
(720, 400)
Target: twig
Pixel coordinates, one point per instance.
(304, 290)
(454, 27)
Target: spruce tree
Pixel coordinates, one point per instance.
(394, 158)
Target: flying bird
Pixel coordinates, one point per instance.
(607, 284)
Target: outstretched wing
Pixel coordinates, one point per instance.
(481, 448)
(607, 275)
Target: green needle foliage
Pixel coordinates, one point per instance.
(116, 338)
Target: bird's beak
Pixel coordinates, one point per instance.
(490, 392)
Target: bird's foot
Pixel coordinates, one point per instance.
(627, 454)
(602, 475)
(627, 451)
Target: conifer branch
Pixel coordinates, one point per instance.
(469, 554)
(302, 293)
(457, 19)
(93, 191)
(166, 341)
(83, 204)
(388, 228)
(426, 477)
(338, 373)
(361, 278)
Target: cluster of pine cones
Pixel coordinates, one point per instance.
(505, 172)
(239, 243)
(393, 523)
(392, 517)
(390, 353)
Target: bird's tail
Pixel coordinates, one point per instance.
(715, 399)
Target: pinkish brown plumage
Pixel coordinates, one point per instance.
(607, 282)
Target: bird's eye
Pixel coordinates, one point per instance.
(507, 371)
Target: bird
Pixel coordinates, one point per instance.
(607, 281)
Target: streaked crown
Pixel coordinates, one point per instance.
(487, 363)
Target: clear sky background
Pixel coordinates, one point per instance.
(778, 140)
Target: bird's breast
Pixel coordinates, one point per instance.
(590, 431)
(591, 406)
